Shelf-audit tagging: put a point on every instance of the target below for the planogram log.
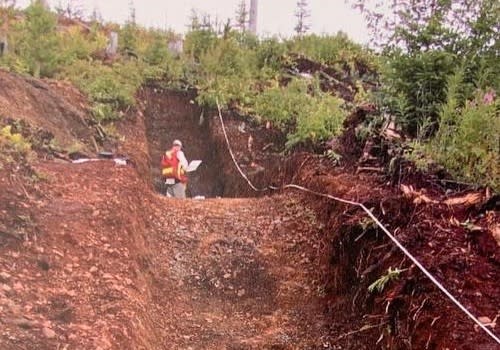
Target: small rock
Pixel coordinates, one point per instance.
(4, 276)
(93, 269)
(241, 292)
(43, 264)
(6, 288)
(58, 253)
(48, 333)
(23, 323)
(484, 319)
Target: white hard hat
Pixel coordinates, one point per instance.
(177, 143)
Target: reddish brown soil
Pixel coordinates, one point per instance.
(92, 258)
(54, 111)
(118, 267)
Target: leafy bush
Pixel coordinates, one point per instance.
(468, 141)
(282, 105)
(227, 74)
(198, 42)
(415, 86)
(128, 42)
(13, 140)
(38, 41)
(330, 50)
(304, 116)
(110, 88)
(76, 45)
(269, 54)
(321, 120)
(14, 148)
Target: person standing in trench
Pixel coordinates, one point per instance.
(174, 165)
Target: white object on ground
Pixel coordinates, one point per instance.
(85, 160)
(118, 161)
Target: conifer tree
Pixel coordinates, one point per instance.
(302, 14)
(242, 16)
(40, 42)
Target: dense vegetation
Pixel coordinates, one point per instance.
(439, 76)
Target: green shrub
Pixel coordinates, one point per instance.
(227, 74)
(13, 146)
(128, 38)
(110, 88)
(322, 120)
(38, 41)
(76, 45)
(332, 50)
(282, 105)
(415, 86)
(468, 141)
(269, 53)
(198, 42)
(14, 140)
(302, 115)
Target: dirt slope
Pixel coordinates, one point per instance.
(78, 277)
(218, 274)
(57, 110)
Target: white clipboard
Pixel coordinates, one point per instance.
(193, 166)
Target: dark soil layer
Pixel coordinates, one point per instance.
(410, 312)
(174, 115)
(171, 116)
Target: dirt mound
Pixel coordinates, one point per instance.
(338, 81)
(81, 278)
(51, 112)
(447, 233)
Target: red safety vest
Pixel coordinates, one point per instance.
(171, 166)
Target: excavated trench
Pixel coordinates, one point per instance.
(171, 115)
(174, 115)
(287, 271)
(107, 264)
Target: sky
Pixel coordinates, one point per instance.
(276, 17)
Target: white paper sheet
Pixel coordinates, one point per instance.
(193, 166)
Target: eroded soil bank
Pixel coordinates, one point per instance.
(92, 258)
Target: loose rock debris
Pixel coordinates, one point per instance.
(121, 268)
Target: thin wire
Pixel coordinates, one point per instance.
(374, 218)
(232, 154)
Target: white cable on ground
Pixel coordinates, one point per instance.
(379, 224)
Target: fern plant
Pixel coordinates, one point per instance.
(380, 283)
